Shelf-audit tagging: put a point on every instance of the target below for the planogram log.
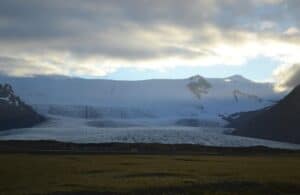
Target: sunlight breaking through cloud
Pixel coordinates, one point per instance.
(95, 38)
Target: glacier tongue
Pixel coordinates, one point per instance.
(78, 131)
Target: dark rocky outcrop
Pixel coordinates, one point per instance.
(14, 113)
(198, 86)
(279, 122)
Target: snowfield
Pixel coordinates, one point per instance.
(78, 131)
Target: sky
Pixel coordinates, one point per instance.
(144, 39)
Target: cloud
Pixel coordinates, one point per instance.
(50, 65)
(292, 31)
(93, 38)
(287, 76)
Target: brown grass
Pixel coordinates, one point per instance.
(152, 174)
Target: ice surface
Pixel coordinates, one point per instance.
(77, 131)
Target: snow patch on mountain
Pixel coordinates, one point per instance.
(7, 96)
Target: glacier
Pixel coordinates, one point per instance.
(171, 111)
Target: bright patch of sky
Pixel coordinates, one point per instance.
(259, 69)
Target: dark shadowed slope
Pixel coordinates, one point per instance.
(280, 122)
(13, 112)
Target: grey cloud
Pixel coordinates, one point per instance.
(33, 19)
(103, 28)
(289, 77)
(294, 80)
(19, 67)
(130, 30)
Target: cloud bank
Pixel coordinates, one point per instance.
(94, 38)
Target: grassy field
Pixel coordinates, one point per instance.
(149, 174)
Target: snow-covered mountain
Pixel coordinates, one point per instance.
(7, 96)
(278, 122)
(194, 97)
(14, 113)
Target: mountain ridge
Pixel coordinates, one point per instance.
(192, 97)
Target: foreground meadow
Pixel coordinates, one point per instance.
(149, 174)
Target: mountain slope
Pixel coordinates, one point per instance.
(13, 112)
(280, 122)
(195, 97)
